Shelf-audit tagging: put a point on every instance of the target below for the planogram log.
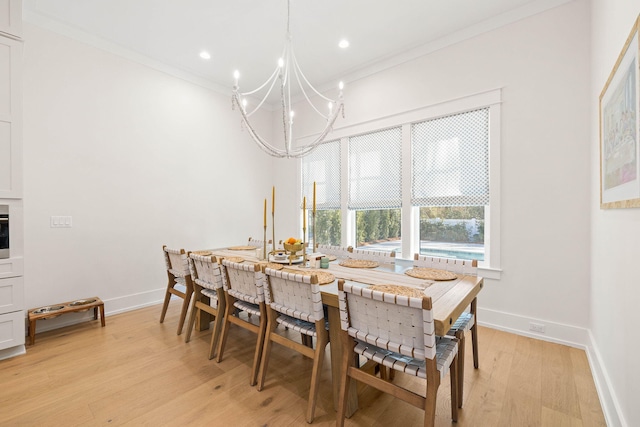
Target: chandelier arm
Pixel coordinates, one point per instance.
(306, 96)
(295, 62)
(273, 83)
(308, 148)
(263, 84)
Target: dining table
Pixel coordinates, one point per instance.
(449, 298)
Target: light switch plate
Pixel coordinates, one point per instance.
(61, 221)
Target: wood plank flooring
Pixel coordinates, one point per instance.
(136, 371)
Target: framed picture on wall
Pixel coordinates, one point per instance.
(619, 130)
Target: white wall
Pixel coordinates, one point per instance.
(542, 65)
(615, 292)
(139, 159)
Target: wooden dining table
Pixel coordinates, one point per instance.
(449, 299)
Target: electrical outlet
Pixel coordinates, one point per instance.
(536, 327)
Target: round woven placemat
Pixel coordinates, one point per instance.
(271, 265)
(359, 263)
(324, 277)
(236, 259)
(399, 290)
(431, 274)
(201, 253)
(241, 248)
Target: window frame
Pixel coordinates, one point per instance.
(491, 266)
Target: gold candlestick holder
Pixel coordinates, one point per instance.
(265, 255)
(292, 250)
(315, 245)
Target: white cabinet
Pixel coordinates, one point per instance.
(12, 310)
(11, 17)
(10, 118)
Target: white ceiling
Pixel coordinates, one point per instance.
(248, 35)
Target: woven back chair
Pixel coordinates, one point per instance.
(243, 288)
(258, 243)
(467, 320)
(208, 295)
(338, 251)
(294, 301)
(397, 332)
(178, 273)
(382, 257)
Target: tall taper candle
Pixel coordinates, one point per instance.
(273, 200)
(314, 197)
(304, 213)
(265, 213)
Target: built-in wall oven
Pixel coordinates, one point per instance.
(4, 231)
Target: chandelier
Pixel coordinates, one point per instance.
(287, 72)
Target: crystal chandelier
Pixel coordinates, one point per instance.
(286, 73)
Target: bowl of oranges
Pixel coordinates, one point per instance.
(292, 245)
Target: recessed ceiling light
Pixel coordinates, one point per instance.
(344, 43)
(205, 55)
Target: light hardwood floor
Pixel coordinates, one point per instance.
(136, 371)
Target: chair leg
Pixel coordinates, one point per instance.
(185, 308)
(455, 381)
(225, 328)
(345, 380)
(315, 375)
(266, 352)
(192, 316)
(460, 335)
(167, 297)
(430, 403)
(258, 356)
(217, 328)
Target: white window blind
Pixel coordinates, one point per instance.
(451, 160)
(375, 170)
(323, 167)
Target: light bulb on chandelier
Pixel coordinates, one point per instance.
(287, 66)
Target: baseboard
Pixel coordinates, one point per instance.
(559, 333)
(8, 353)
(608, 400)
(572, 336)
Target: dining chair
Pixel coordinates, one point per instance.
(178, 273)
(208, 295)
(467, 320)
(243, 289)
(259, 243)
(293, 300)
(382, 257)
(399, 333)
(338, 251)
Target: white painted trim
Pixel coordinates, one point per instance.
(613, 414)
(360, 72)
(572, 336)
(58, 27)
(8, 353)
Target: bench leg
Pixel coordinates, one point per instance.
(32, 331)
(102, 320)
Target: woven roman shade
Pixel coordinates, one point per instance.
(451, 160)
(375, 170)
(323, 167)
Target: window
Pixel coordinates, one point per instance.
(322, 166)
(444, 201)
(450, 182)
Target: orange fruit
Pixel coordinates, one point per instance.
(291, 241)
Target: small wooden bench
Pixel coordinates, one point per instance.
(51, 311)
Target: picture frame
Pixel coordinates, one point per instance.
(619, 129)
